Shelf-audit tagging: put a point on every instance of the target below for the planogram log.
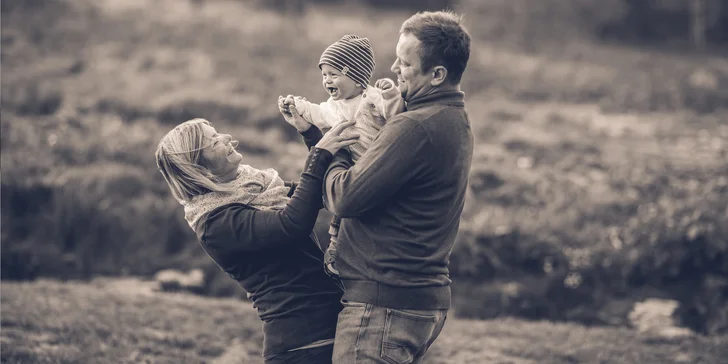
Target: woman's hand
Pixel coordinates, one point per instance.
(333, 140)
(287, 108)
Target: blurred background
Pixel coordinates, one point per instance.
(600, 175)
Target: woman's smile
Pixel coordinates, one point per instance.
(220, 157)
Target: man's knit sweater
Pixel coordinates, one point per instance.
(401, 205)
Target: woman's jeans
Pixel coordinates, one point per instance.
(371, 334)
(319, 355)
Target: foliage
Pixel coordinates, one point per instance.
(661, 21)
(598, 177)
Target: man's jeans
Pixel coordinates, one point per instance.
(371, 334)
(319, 355)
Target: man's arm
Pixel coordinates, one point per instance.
(396, 157)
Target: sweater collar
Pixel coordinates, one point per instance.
(453, 98)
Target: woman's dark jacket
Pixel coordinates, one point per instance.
(275, 257)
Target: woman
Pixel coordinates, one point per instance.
(259, 230)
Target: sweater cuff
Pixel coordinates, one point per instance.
(391, 93)
(311, 136)
(292, 187)
(318, 162)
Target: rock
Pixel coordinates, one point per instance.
(702, 78)
(654, 317)
(130, 286)
(524, 162)
(171, 280)
(674, 332)
(683, 358)
(196, 278)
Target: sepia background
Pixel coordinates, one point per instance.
(596, 223)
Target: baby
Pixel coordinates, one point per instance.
(346, 67)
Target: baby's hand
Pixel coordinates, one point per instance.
(287, 107)
(284, 104)
(384, 84)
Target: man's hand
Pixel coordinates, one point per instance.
(287, 108)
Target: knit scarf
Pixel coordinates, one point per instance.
(260, 189)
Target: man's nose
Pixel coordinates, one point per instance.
(394, 67)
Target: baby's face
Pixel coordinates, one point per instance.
(338, 85)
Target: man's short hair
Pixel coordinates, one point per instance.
(444, 41)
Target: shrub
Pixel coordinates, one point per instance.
(646, 20)
(216, 112)
(673, 242)
(34, 98)
(101, 219)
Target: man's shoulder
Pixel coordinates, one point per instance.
(436, 121)
(406, 119)
(427, 112)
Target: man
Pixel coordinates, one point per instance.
(401, 203)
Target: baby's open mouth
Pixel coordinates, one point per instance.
(332, 90)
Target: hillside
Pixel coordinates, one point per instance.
(124, 321)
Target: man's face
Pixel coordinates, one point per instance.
(412, 81)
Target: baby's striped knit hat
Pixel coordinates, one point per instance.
(353, 56)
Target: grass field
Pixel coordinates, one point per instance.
(125, 321)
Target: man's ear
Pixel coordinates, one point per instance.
(439, 74)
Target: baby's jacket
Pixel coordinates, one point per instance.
(370, 111)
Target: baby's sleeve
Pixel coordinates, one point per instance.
(315, 114)
(389, 102)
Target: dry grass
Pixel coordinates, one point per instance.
(124, 321)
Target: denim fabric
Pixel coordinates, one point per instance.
(319, 355)
(368, 334)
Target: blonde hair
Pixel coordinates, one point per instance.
(179, 159)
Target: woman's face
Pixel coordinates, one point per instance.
(220, 156)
